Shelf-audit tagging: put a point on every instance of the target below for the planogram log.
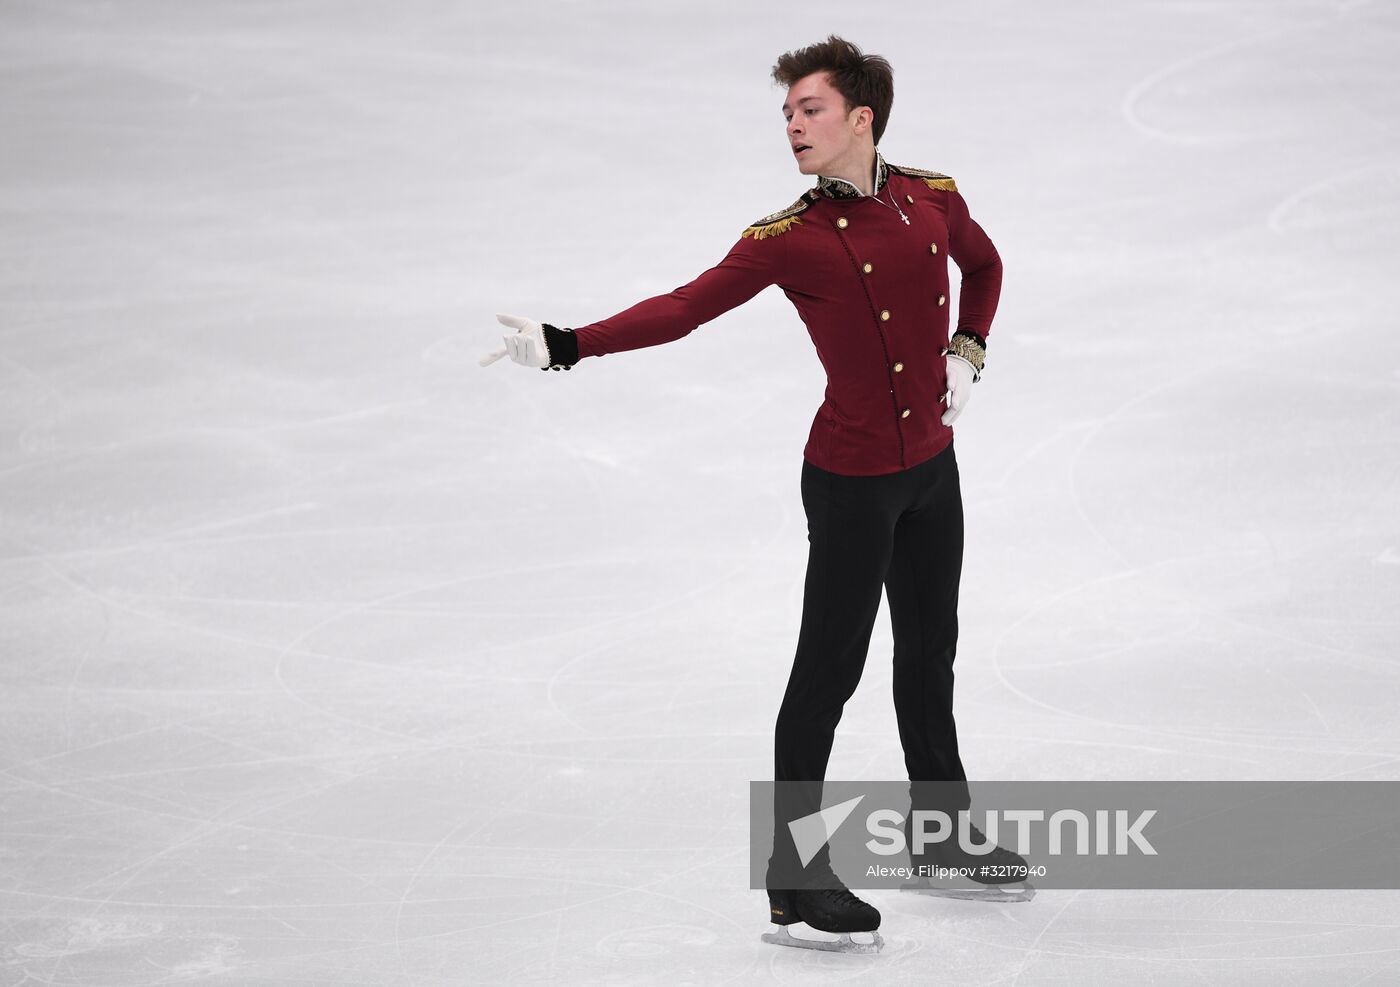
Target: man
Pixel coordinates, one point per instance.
(863, 257)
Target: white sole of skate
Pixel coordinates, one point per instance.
(986, 892)
(843, 943)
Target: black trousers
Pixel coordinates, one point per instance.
(902, 532)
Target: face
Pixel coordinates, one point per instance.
(824, 136)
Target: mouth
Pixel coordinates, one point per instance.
(797, 149)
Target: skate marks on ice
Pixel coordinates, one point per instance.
(829, 942)
(655, 940)
(87, 945)
(1154, 81)
(87, 936)
(1359, 200)
(1166, 606)
(1181, 102)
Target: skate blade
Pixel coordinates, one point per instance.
(1023, 891)
(843, 944)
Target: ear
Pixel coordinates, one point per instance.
(864, 119)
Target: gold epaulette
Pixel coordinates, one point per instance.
(933, 179)
(781, 221)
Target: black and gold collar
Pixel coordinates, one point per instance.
(839, 188)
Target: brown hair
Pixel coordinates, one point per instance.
(862, 80)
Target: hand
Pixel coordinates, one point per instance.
(524, 346)
(960, 374)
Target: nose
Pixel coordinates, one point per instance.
(794, 127)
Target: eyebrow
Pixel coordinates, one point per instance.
(803, 100)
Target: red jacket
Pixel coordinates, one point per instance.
(872, 291)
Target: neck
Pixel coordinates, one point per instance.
(860, 171)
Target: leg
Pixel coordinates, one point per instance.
(850, 522)
(922, 586)
(850, 530)
(925, 572)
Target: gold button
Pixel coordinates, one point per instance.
(909, 199)
(933, 248)
(842, 222)
(885, 315)
(868, 268)
(942, 299)
(899, 368)
(904, 413)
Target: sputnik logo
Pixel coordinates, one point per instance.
(811, 832)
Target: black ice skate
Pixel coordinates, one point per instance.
(946, 870)
(829, 908)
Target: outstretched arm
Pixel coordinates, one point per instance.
(747, 269)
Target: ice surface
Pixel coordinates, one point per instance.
(329, 657)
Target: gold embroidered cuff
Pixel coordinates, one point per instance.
(970, 348)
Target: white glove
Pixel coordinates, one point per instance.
(525, 346)
(960, 374)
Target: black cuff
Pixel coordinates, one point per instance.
(562, 345)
